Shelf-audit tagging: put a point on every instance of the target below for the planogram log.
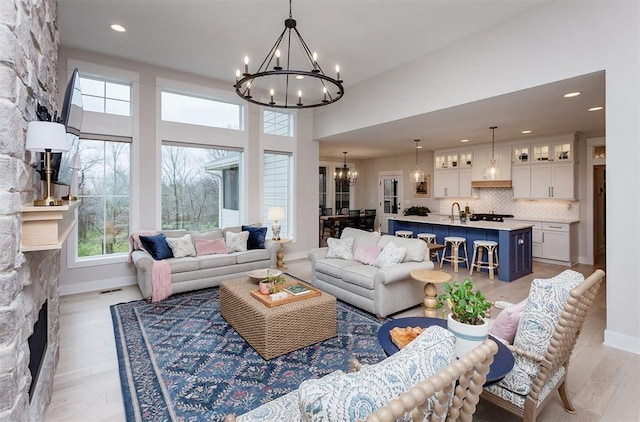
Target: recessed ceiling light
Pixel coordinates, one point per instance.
(118, 28)
(526, 131)
(299, 77)
(572, 94)
(464, 140)
(598, 108)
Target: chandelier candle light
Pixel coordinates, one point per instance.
(313, 87)
(47, 137)
(417, 175)
(345, 176)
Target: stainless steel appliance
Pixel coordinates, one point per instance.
(489, 217)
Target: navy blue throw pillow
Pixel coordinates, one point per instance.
(157, 246)
(256, 236)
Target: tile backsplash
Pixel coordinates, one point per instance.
(501, 201)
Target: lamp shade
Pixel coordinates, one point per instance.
(276, 213)
(46, 135)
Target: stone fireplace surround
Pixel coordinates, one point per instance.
(29, 41)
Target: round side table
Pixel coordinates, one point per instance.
(430, 278)
(280, 253)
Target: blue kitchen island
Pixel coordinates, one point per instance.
(514, 239)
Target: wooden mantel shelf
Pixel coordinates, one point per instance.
(45, 228)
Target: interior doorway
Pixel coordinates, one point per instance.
(599, 215)
(389, 198)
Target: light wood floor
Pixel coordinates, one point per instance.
(603, 382)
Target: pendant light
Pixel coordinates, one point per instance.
(417, 175)
(492, 171)
(345, 176)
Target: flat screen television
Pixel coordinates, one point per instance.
(71, 118)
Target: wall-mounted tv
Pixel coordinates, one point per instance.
(71, 118)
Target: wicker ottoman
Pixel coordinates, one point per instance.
(281, 329)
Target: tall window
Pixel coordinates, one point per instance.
(103, 182)
(102, 96)
(198, 185)
(322, 179)
(201, 111)
(277, 123)
(277, 189)
(342, 195)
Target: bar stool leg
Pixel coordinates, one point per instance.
(454, 253)
(490, 253)
(473, 260)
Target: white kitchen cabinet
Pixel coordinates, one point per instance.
(521, 181)
(446, 183)
(465, 183)
(502, 156)
(553, 181)
(555, 243)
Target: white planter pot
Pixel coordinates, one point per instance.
(467, 336)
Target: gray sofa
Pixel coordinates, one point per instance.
(198, 272)
(381, 291)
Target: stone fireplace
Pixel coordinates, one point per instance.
(29, 43)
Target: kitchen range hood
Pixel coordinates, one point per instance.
(491, 184)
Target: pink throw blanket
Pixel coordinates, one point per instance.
(160, 270)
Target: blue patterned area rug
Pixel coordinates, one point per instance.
(181, 361)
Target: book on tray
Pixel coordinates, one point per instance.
(297, 289)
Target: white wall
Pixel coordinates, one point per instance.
(557, 41)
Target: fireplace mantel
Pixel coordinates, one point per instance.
(46, 228)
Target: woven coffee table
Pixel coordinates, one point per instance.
(275, 331)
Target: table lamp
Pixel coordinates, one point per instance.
(46, 137)
(275, 214)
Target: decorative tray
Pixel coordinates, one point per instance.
(267, 300)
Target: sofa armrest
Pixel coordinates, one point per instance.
(142, 260)
(317, 254)
(397, 272)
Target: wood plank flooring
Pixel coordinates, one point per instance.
(604, 383)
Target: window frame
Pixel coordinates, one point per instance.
(214, 99)
(287, 226)
(290, 123)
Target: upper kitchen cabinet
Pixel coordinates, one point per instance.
(452, 174)
(502, 156)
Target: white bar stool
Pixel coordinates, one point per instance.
(454, 243)
(430, 238)
(492, 251)
(404, 233)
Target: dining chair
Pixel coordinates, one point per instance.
(546, 335)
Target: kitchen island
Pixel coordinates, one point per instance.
(514, 239)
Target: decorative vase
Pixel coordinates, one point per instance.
(468, 336)
(265, 287)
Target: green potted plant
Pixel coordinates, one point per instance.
(468, 310)
(463, 216)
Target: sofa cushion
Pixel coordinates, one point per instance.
(506, 323)
(333, 266)
(541, 313)
(181, 265)
(366, 254)
(236, 242)
(256, 236)
(349, 397)
(217, 260)
(391, 254)
(253, 255)
(416, 249)
(360, 237)
(181, 246)
(360, 275)
(157, 246)
(207, 247)
(208, 235)
(340, 248)
(174, 232)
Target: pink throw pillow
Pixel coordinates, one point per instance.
(207, 247)
(506, 323)
(367, 254)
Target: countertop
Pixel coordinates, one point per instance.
(445, 221)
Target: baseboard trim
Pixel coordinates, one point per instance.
(93, 286)
(295, 255)
(622, 342)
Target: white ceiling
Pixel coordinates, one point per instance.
(366, 37)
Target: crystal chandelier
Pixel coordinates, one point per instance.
(345, 176)
(417, 175)
(278, 86)
(492, 170)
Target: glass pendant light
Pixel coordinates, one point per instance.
(492, 171)
(417, 175)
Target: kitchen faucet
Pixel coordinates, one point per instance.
(452, 205)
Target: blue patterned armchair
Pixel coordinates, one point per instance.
(414, 384)
(547, 332)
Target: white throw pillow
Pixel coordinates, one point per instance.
(340, 248)
(236, 242)
(391, 254)
(181, 246)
